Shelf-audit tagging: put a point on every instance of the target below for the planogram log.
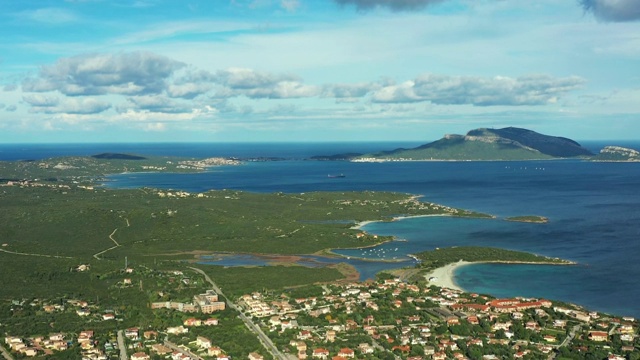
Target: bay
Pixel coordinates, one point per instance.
(594, 211)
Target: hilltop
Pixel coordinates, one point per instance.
(509, 143)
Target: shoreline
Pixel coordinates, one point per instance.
(444, 275)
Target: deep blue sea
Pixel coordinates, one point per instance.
(594, 210)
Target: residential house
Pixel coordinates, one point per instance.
(346, 353)
(598, 336)
(132, 333)
(203, 342)
(320, 353)
(140, 356)
(215, 351)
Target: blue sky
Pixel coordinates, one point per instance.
(312, 70)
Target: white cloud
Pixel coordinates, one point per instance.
(156, 103)
(479, 91)
(126, 73)
(53, 105)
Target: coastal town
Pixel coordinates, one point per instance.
(383, 319)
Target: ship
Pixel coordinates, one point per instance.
(336, 176)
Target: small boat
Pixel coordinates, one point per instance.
(335, 176)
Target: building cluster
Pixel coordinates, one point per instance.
(205, 303)
(205, 163)
(413, 322)
(47, 345)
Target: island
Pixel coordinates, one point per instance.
(529, 219)
(485, 144)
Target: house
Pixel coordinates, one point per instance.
(85, 335)
(346, 353)
(150, 334)
(203, 342)
(132, 333)
(255, 356)
(331, 336)
(210, 322)
(214, 351)
(140, 356)
(192, 322)
(160, 349)
(439, 356)
(598, 336)
(177, 330)
(453, 321)
(30, 352)
(320, 353)
(366, 348)
(549, 338)
(56, 337)
(108, 317)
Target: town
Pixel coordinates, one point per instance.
(385, 319)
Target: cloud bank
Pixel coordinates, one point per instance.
(135, 73)
(478, 91)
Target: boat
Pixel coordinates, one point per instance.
(335, 176)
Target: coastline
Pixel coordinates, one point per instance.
(444, 276)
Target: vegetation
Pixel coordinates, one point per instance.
(236, 281)
(529, 219)
(441, 257)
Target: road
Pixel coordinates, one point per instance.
(5, 353)
(264, 339)
(121, 346)
(566, 341)
(175, 347)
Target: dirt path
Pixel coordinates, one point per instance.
(117, 244)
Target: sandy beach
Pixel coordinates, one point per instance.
(443, 276)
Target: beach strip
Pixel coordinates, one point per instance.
(444, 276)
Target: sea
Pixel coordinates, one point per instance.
(593, 210)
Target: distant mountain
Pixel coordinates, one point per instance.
(116, 156)
(617, 153)
(488, 144)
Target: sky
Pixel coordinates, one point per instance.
(79, 71)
